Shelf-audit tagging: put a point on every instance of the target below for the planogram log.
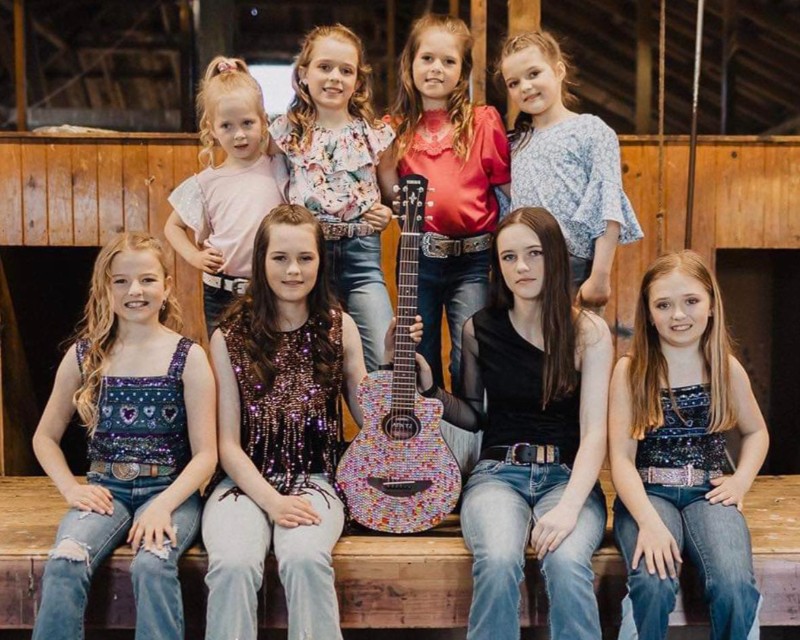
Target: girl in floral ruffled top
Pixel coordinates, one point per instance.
(567, 163)
(335, 148)
(462, 150)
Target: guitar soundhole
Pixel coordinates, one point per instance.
(401, 426)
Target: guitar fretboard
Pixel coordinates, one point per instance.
(404, 381)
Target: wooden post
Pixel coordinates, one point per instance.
(478, 27)
(523, 15)
(20, 65)
(391, 51)
(644, 66)
(215, 28)
(730, 48)
(454, 8)
(187, 67)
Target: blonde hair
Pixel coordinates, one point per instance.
(648, 371)
(551, 50)
(407, 109)
(99, 324)
(225, 76)
(302, 112)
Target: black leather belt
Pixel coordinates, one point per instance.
(523, 453)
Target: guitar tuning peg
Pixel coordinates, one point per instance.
(428, 218)
(431, 189)
(396, 188)
(429, 203)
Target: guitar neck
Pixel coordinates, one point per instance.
(404, 381)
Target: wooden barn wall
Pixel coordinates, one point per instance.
(68, 191)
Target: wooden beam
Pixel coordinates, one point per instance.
(730, 27)
(453, 8)
(187, 67)
(391, 51)
(478, 28)
(644, 67)
(20, 80)
(215, 30)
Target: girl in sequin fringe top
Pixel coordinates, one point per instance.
(146, 395)
(671, 400)
(282, 356)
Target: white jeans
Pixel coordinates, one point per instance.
(238, 534)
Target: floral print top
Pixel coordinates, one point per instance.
(335, 177)
(572, 169)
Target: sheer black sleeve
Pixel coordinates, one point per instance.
(466, 410)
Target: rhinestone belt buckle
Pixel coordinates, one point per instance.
(239, 286)
(125, 470)
(430, 246)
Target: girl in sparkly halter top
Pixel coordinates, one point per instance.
(282, 356)
(671, 400)
(146, 395)
(462, 150)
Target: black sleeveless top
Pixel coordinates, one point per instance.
(512, 372)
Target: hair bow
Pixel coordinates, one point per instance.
(225, 66)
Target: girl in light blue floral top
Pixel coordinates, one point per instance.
(567, 163)
(335, 147)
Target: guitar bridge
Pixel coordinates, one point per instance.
(399, 488)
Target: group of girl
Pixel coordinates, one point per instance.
(283, 351)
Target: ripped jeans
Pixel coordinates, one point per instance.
(85, 539)
(238, 536)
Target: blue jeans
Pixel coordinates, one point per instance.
(215, 301)
(717, 541)
(500, 502)
(238, 534)
(85, 539)
(460, 286)
(357, 279)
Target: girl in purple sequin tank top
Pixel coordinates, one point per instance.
(671, 400)
(146, 396)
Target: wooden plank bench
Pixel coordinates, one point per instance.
(385, 581)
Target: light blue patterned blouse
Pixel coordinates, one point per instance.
(572, 169)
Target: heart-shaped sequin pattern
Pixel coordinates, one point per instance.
(149, 411)
(128, 413)
(169, 412)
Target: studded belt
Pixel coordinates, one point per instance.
(339, 230)
(523, 453)
(226, 283)
(435, 245)
(131, 470)
(686, 476)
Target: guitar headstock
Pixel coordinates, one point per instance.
(413, 191)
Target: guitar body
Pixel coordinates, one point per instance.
(398, 484)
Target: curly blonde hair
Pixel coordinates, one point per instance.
(99, 324)
(225, 76)
(551, 50)
(302, 112)
(407, 110)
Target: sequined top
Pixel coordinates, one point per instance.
(142, 419)
(292, 429)
(572, 169)
(683, 439)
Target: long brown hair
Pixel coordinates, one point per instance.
(302, 113)
(226, 76)
(559, 318)
(649, 372)
(257, 310)
(99, 324)
(407, 109)
(551, 50)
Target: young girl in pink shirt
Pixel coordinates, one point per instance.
(223, 205)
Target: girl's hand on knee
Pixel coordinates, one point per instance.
(90, 497)
(728, 490)
(151, 528)
(552, 529)
(660, 551)
(293, 511)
